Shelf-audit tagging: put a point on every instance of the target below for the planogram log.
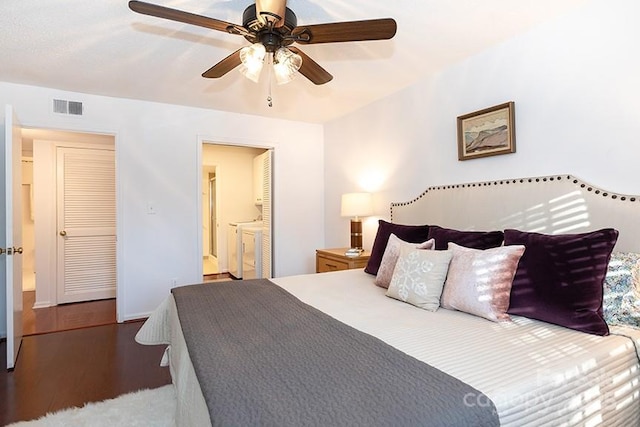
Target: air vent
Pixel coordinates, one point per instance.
(62, 106)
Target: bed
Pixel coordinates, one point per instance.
(525, 371)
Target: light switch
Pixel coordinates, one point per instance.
(151, 208)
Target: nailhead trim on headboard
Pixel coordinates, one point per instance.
(576, 181)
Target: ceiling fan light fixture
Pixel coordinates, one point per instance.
(252, 58)
(285, 65)
(272, 25)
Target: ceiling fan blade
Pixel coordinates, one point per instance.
(311, 69)
(180, 16)
(224, 66)
(351, 31)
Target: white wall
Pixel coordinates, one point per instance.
(235, 189)
(157, 148)
(576, 90)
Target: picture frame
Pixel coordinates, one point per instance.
(487, 132)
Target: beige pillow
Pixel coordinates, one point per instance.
(419, 276)
(479, 281)
(390, 257)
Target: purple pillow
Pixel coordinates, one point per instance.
(560, 278)
(468, 239)
(408, 233)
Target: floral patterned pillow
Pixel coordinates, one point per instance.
(419, 276)
(621, 302)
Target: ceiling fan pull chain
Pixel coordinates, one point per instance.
(269, 98)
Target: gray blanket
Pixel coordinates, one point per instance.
(263, 357)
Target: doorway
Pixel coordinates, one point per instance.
(49, 152)
(233, 180)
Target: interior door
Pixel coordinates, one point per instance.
(11, 233)
(86, 224)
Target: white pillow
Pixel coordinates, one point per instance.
(479, 281)
(390, 257)
(419, 277)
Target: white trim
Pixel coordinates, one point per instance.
(238, 142)
(135, 316)
(42, 304)
(120, 248)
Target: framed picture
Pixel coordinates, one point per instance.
(487, 132)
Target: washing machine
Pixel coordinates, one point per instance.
(251, 252)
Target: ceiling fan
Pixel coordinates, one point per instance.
(272, 28)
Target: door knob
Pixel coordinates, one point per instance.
(17, 250)
(1, 251)
(63, 233)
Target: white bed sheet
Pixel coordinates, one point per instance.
(536, 374)
(163, 327)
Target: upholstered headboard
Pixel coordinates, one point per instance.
(551, 204)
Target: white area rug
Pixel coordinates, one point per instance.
(146, 408)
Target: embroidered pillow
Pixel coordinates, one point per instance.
(479, 281)
(621, 300)
(468, 239)
(408, 233)
(390, 257)
(560, 278)
(419, 276)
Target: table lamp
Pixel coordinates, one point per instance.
(356, 205)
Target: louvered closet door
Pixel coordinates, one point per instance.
(86, 253)
(267, 215)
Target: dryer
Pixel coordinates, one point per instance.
(234, 245)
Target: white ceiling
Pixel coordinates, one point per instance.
(102, 47)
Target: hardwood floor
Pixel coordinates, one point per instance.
(72, 354)
(77, 315)
(70, 368)
(65, 316)
(217, 277)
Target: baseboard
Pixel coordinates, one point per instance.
(42, 304)
(136, 317)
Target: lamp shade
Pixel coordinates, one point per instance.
(252, 58)
(286, 64)
(356, 204)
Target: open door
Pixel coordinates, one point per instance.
(267, 215)
(11, 233)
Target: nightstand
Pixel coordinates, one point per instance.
(335, 259)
